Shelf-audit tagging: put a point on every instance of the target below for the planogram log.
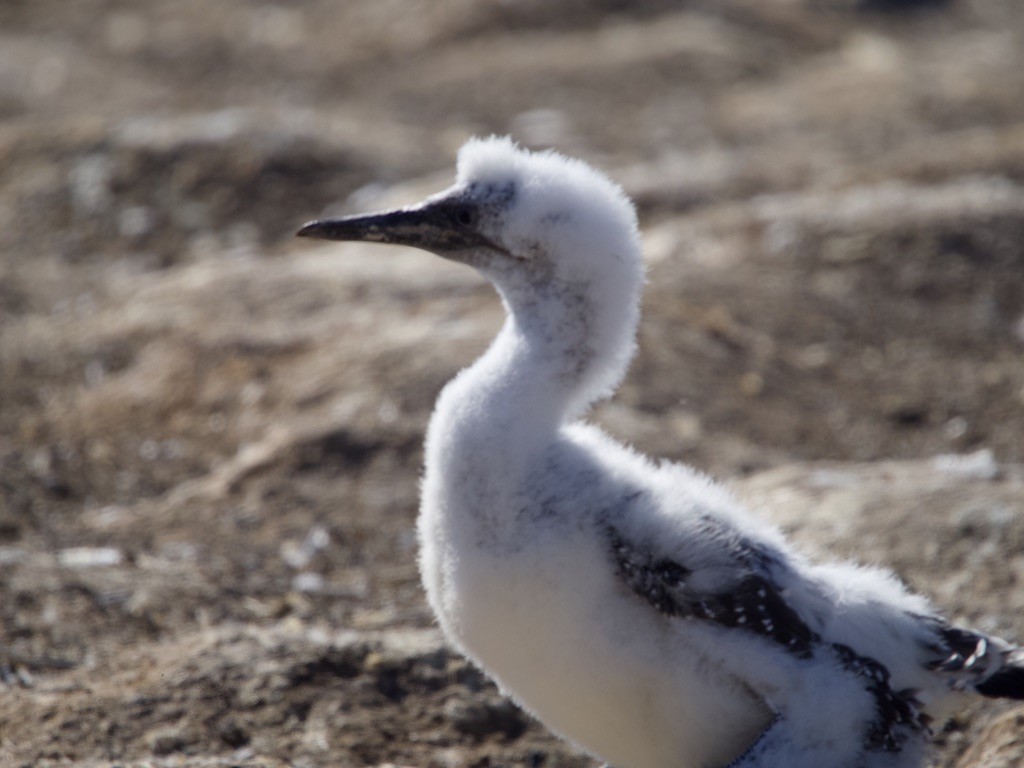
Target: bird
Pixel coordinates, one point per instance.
(634, 606)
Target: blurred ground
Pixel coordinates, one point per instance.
(210, 434)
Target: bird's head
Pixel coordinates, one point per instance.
(519, 217)
(557, 238)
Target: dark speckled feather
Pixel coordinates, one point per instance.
(756, 605)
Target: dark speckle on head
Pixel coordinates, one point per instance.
(556, 217)
(493, 197)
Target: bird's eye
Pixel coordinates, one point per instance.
(465, 215)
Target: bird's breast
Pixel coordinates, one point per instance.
(548, 621)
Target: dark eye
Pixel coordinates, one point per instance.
(465, 215)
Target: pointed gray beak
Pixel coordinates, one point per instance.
(443, 227)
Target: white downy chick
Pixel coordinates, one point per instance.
(636, 608)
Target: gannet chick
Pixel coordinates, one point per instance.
(635, 607)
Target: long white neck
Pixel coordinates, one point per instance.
(557, 351)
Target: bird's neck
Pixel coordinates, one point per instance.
(497, 416)
(541, 369)
(489, 424)
(510, 401)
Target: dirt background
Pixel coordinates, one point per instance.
(210, 433)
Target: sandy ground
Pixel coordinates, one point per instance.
(210, 433)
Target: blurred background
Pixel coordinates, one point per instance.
(210, 433)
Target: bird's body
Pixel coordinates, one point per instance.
(634, 607)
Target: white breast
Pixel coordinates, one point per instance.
(547, 620)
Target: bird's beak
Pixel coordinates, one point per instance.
(429, 226)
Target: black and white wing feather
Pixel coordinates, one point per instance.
(756, 605)
(753, 604)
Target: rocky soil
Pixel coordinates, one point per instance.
(210, 433)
